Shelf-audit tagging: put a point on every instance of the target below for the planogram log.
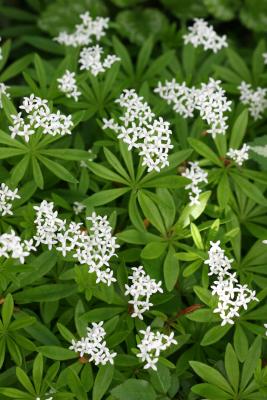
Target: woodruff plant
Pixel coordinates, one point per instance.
(132, 202)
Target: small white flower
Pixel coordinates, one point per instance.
(68, 85)
(264, 55)
(151, 346)
(91, 59)
(239, 156)
(231, 295)
(202, 34)
(78, 207)
(197, 175)
(94, 345)
(141, 289)
(255, 99)
(7, 196)
(139, 129)
(3, 89)
(85, 31)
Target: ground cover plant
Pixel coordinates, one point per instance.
(133, 209)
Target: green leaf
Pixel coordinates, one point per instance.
(160, 379)
(122, 52)
(251, 362)
(232, 367)
(16, 68)
(240, 343)
(214, 334)
(20, 169)
(170, 269)
(57, 353)
(169, 181)
(205, 151)
(210, 375)
(144, 56)
(40, 70)
(133, 389)
(7, 310)
(153, 250)
(223, 190)
(106, 173)
(24, 380)
(37, 173)
(50, 292)
(151, 211)
(258, 61)
(65, 333)
(196, 236)
(57, 169)
(249, 189)
(75, 385)
(238, 65)
(190, 213)
(67, 154)
(239, 130)
(211, 392)
(102, 381)
(37, 372)
(105, 196)
(15, 393)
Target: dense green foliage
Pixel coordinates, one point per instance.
(50, 299)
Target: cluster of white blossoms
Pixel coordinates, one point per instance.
(93, 60)
(94, 345)
(11, 246)
(84, 32)
(140, 129)
(209, 100)
(78, 207)
(7, 196)
(239, 156)
(3, 91)
(151, 346)
(196, 175)
(67, 84)
(94, 249)
(264, 55)
(232, 296)
(48, 398)
(255, 99)
(38, 116)
(141, 289)
(203, 34)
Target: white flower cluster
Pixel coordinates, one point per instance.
(202, 34)
(151, 346)
(197, 175)
(94, 345)
(264, 55)
(7, 196)
(67, 84)
(209, 100)
(232, 295)
(141, 289)
(255, 99)
(11, 246)
(91, 59)
(39, 116)
(94, 249)
(3, 90)
(239, 156)
(48, 398)
(140, 130)
(84, 32)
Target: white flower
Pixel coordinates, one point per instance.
(197, 175)
(78, 207)
(3, 89)
(84, 32)
(202, 34)
(94, 345)
(7, 196)
(94, 249)
(264, 241)
(151, 346)
(91, 59)
(67, 84)
(209, 100)
(141, 289)
(139, 129)
(239, 156)
(11, 246)
(38, 115)
(264, 55)
(231, 295)
(254, 99)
